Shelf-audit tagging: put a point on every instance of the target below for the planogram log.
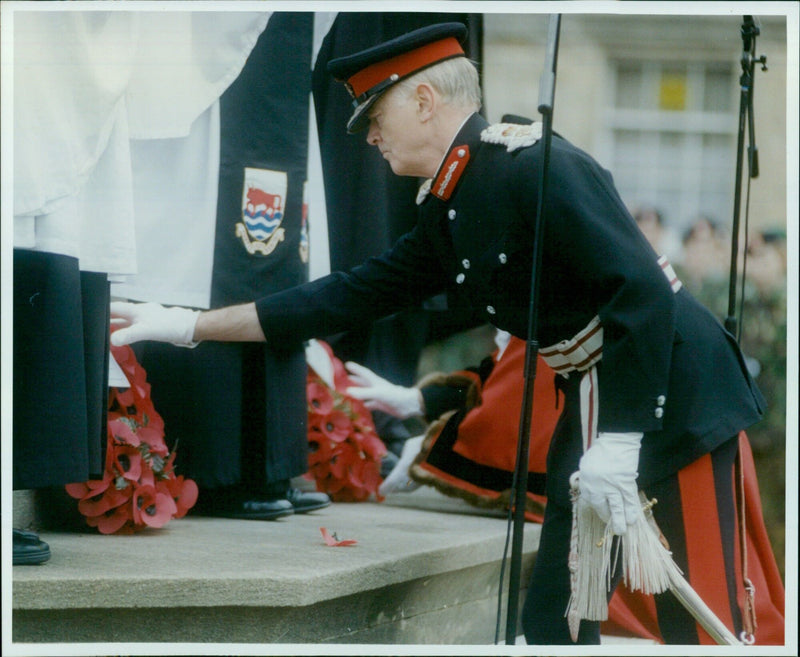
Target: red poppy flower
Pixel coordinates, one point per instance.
(90, 496)
(112, 520)
(370, 475)
(354, 474)
(340, 459)
(154, 439)
(344, 449)
(319, 446)
(151, 507)
(184, 493)
(77, 490)
(100, 503)
(333, 485)
(137, 459)
(150, 418)
(336, 426)
(123, 397)
(127, 461)
(372, 446)
(148, 477)
(121, 430)
(320, 400)
(80, 490)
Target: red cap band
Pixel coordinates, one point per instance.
(403, 65)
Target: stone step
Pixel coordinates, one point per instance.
(425, 570)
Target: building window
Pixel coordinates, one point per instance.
(672, 132)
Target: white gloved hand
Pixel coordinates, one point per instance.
(607, 478)
(152, 321)
(380, 395)
(398, 479)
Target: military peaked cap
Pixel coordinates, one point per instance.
(367, 74)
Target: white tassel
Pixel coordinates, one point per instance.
(646, 563)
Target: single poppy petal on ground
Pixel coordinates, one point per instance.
(332, 540)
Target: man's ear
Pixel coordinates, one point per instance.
(426, 100)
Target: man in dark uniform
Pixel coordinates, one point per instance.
(662, 385)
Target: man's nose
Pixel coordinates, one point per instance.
(372, 135)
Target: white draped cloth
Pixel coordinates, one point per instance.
(86, 83)
(175, 194)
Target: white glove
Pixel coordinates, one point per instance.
(398, 479)
(380, 395)
(607, 478)
(152, 321)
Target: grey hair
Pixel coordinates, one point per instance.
(455, 79)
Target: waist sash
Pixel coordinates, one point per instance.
(582, 352)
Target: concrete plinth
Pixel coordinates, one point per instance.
(425, 570)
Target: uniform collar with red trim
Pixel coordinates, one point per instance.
(455, 162)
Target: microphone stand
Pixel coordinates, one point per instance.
(749, 60)
(520, 482)
(749, 32)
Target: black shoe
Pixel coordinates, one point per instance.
(29, 549)
(223, 504)
(303, 502)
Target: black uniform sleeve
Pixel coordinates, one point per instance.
(402, 277)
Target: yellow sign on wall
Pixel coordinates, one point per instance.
(672, 91)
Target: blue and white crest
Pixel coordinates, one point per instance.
(263, 201)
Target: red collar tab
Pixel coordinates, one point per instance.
(362, 84)
(451, 171)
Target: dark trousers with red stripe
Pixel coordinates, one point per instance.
(696, 514)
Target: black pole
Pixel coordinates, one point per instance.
(520, 486)
(748, 61)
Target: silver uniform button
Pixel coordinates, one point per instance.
(661, 400)
(503, 258)
(451, 214)
(659, 412)
(460, 278)
(461, 152)
(490, 310)
(465, 263)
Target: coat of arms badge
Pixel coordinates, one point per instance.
(263, 201)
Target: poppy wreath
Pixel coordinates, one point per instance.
(345, 451)
(139, 487)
